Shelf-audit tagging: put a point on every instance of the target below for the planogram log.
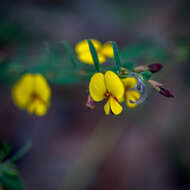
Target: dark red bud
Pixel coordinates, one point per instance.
(90, 102)
(155, 67)
(165, 92)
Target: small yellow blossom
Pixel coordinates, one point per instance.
(131, 94)
(109, 86)
(103, 51)
(32, 93)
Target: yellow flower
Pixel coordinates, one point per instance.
(103, 51)
(32, 93)
(109, 86)
(131, 94)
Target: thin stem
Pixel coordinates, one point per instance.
(21, 152)
(70, 53)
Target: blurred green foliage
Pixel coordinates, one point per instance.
(147, 51)
(9, 176)
(58, 62)
(60, 66)
(11, 32)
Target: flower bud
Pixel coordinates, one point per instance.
(154, 83)
(124, 71)
(90, 102)
(155, 67)
(165, 92)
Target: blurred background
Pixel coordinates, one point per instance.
(146, 148)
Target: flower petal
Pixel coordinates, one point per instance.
(22, 90)
(83, 46)
(129, 82)
(107, 50)
(131, 97)
(40, 109)
(114, 85)
(37, 107)
(107, 107)
(97, 87)
(115, 106)
(86, 57)
(31, 107)
(41, 88)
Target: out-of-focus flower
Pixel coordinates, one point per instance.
(104, 51)
(32, 93)
(131, 94)
(110, 86)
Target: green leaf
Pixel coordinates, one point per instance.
(116, 56)
(9, 177)
(70, 53)
(94, 55)
(146, 75)
(5, 151)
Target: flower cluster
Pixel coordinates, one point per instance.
(32, 93)
(122, 85)
(118, 84)
(104, 51)
(109, 86)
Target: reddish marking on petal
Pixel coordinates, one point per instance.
(34, 97)
(115, 98)
(106, 94)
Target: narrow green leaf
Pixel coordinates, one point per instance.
(116, 56)
(48, 56)
(21, 152)
(70, 53)
(94, 55)
(146, 75)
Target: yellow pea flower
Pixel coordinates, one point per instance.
(32, 93)
(103, 51)
(130, 93)
(109, 86)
